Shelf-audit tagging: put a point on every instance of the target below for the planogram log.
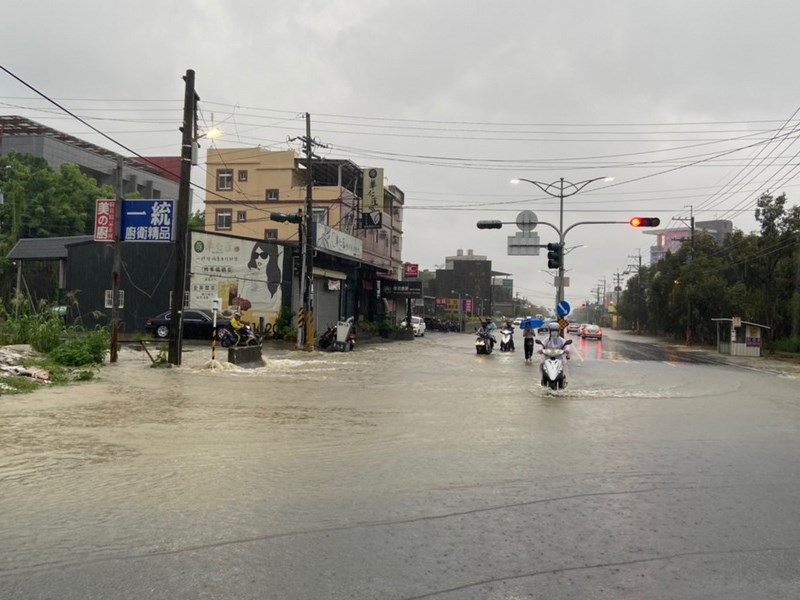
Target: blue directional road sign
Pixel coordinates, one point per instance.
(563, 308)
(148, 220)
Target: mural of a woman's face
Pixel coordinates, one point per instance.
(259, 257)
(264, 258)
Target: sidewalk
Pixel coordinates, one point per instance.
(781, 363)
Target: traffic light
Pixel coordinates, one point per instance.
(555, 256)
(490, 224)
(284, 218)
(645, 222)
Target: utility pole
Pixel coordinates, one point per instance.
(686, 288)
(308, 334)
(638, 290)
(116, 262)
(182, 219)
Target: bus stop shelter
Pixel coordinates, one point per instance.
(739, 338)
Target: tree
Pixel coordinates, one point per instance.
(197, 220)
(40, 202)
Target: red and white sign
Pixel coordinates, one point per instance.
(105, 218)
(410, 271)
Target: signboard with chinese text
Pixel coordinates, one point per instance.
(410, 271)
(105, 215)
(753, 337)
(402, 289)
(148, 220)
(245, 275)
(338, 242)
(372, 202)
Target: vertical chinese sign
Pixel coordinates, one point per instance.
(372, 202)
(105, 214)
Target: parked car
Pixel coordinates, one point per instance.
(573, 327)
(197, 324)
(417, 324)
(592, 331)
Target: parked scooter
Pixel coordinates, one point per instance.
(552, 368)
(507, 338)
(332, 338)
(227, 337)
(484, 341)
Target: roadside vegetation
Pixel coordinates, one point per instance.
(61, 353)
(755, 276)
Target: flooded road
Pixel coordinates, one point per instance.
(404, 470)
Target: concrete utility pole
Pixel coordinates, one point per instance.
(181, 217)
(116, 262)
(308, 333)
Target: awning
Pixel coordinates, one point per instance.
(329, 273)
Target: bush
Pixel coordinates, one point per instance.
(790, 345)
(85, 349)
(283, 324)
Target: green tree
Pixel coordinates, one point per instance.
(40, 202)
(197, 220)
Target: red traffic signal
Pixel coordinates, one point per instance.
(645, 222)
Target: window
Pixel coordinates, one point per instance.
(223, 220)
(272, 195)
(241, 216)
(225, 179)
(271, 235)
(242, 175)
(319, 215)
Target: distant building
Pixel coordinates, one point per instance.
(670, 240)
(158, 180)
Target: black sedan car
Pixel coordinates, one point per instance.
(197, 324)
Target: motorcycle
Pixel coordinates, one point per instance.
(552, 368)
(246, 337)
(507, 339)
(331, 339)
(484, 341)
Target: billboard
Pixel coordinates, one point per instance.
(246, 276)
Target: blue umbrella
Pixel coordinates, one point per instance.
(535, 323)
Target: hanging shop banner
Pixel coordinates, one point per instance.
(372, 202)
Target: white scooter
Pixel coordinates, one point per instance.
(507, 339)
(553, 375)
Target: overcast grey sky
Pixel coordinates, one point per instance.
(685, 103)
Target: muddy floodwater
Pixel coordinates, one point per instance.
(404, 470)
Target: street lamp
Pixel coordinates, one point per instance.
(561, 189)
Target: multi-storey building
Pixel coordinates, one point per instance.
(246, 186)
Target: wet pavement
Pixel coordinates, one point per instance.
(406, 470)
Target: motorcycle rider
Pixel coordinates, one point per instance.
(508, 329)
(554, 339)
(489, 327)
(238, 326)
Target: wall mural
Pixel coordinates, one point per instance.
(245, 275)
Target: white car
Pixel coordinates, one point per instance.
(417, 324)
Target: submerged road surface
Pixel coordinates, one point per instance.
(405, 470)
